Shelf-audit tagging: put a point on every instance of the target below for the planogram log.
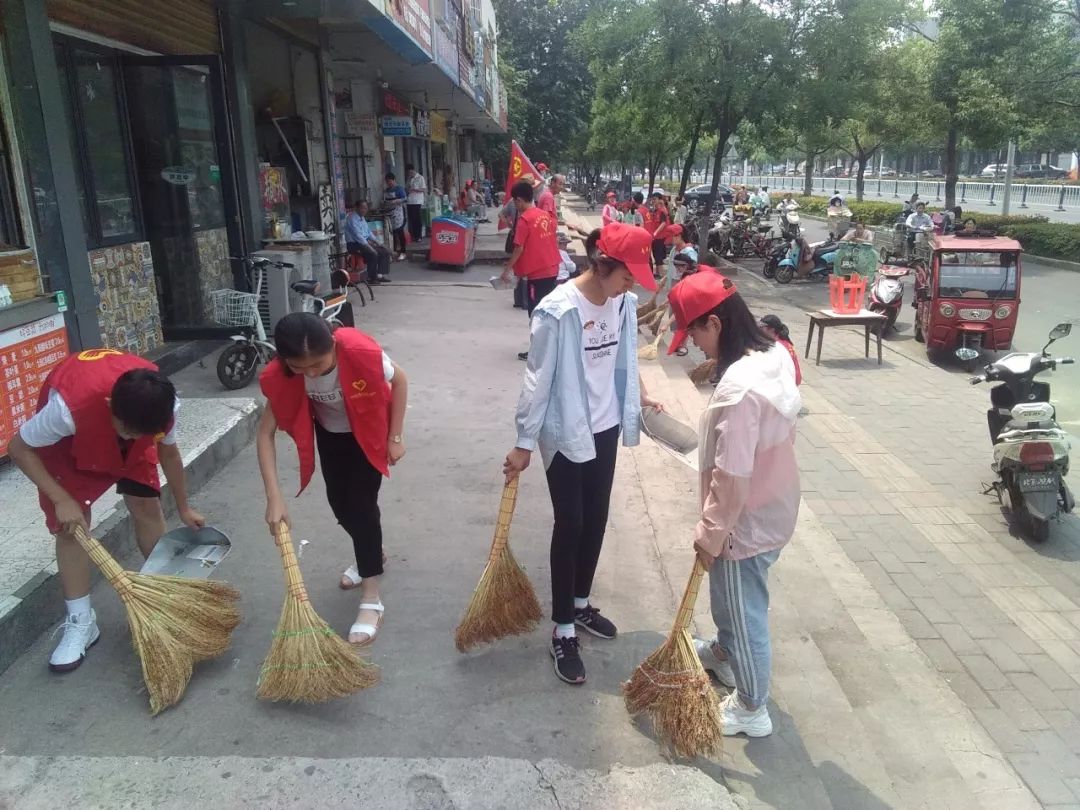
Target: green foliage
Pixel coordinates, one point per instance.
(1055, 240)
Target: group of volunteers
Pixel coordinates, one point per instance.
(106, 418)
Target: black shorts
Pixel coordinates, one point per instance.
(659, 251)
(125, 486)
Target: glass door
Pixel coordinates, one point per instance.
(186, 185)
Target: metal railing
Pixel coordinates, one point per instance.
(1058, 197)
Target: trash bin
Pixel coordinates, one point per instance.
(453, 241)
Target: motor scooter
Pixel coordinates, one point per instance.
(824, 257)
(1031, 451)
(839, 219)
(788, 221)
(887, 294)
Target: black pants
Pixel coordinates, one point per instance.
(659, 252)
(352, 488)
(376, 257)
(580, 494)
(399, 239)
(416, 221)
(537, 289)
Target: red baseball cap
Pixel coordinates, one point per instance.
(632, 246)
(672, 230)
(693, 297)
(541, 167)
(611, 194)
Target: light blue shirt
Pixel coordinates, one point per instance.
(553, 410)
(357, 229)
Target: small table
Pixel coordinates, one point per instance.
(826, 317)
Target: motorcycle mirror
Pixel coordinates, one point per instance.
(965, 354)
(1060, 331)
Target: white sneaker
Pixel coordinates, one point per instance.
(734, 719)
(401, 257)
(80, 634)
(719, 667)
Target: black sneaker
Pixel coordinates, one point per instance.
(590, 619)
(523, 355)
(567, 658)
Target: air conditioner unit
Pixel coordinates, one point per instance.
(280, 299)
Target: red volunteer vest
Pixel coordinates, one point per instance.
(794, 358)
(367, 401)
(90, 462)
(540, 250)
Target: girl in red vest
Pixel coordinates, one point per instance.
(340, 392)
(104, 418)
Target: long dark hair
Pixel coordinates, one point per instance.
(778, 326)
(302, 334)
(739, 332)
(603, 265)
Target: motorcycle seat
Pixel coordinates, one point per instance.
(820, 250)
(305, 286)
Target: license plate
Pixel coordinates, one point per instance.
(1037, 482)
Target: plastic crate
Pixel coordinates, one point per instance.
(847, 294)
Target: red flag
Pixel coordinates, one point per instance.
(520, 165)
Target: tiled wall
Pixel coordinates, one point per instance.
(123, 279)
(215, 272)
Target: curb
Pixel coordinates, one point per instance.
(39, 605)
(1058, 264)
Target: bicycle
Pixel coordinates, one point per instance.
(251, 348)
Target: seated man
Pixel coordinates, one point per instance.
(360, 239)
(918, 221)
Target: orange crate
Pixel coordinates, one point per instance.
(847, 294)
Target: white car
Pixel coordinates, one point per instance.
(993, 170)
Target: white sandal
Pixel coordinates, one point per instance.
(350, 578)
(371, 630)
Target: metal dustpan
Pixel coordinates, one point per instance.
(186, 552)
(678, 439)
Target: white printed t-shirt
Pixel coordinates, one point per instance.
(328, 401)
(602, 328)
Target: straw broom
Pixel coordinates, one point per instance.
(702, 374)
(175, 622)
(651, 351)
(308, 662)
(672, 687)
(504, 602)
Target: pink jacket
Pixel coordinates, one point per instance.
(749, 480)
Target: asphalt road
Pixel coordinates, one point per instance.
(1049, 296)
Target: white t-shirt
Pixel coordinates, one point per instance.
(55, 422)
(328, 401)
(599, 346)
(417, 186)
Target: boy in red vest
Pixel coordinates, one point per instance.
(104, 417)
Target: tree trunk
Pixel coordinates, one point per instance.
(860, 181)
(951, 141)
(808, 175)
(688, 166)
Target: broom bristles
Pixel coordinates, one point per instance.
(504, 602)
(175, 622)
(308, 662)
(701, 374)
(673, 689)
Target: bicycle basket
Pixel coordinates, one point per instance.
(234, 308)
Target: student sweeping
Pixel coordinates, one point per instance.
(582, 389)
(749, 486)
(104, 418)
(341, 393)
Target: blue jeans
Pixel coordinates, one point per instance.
(739, 592)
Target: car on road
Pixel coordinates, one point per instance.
(888, 172)
(698, 194)
(834, 171)
(993, 170)
(930, 173)
(1039, 170)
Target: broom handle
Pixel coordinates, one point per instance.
(293, 579)
(506, 514)
(689, 599)
(116, 575)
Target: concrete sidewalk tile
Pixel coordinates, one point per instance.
(1019, 708)
(941, 655)
(932, 610)
(983, 670)
(979, 554)
(1008, 736)
(1059, 626)
(1028, 598)
(953, 552)
(1064, 654)
(1066, 725)
(917, 626)
(958, 639)
(1032, 623)
(962, 584)
(1056, 749)
(1038, 693)
(1056, 600)
(1004, 656)
(1043, 778)
(973, 695)
(911, 586)
(1049, 672)
(890, 562)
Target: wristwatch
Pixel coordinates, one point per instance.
(396, 439)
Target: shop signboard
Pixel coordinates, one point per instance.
(439, 130)
(446, 50)
(414, 18)
(397, 125)
(339, 167)
(465, 75)
(421, 123)
(27, 355)
(503, 111)
(360, 124)
(393, 105)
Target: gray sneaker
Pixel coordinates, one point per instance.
(719, 667)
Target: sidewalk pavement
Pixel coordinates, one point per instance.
(209, 434)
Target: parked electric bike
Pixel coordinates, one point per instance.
(824, 256)
(1031, 452)
(887, 294)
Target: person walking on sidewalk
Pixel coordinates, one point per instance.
(536, 249)
(610, 212)
(394, 202)
(582, 389)
(337, 391)
(104, 417)
(547, 201)
(749, 486)
(360, 239)
(416, 186)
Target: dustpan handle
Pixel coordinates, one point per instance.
(117, 576)
(295, 582)
(689, 599)
(506, 514)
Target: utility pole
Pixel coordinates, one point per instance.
(1009, 161)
